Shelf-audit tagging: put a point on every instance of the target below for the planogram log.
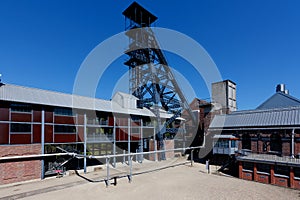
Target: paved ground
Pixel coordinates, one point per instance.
(179, 182)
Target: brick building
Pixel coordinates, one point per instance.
(38, 122)
(269, 139)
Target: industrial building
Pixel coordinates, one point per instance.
(268, 139)
(35, 122)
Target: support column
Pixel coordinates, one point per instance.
(85, 143)
(292, 175)
(272, 178)
(43, 145)
(129, 135)
(255, 178)
(240, 170)
(114, 141)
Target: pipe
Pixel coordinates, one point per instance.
(43, 145)
(35, 156)
(293, 144)
(85, 143)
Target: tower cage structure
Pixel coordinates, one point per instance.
(150, 77)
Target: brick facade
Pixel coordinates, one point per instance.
(270, 177)
(20, 170)
(169, 144)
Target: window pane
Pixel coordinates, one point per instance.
(263, 168)
(18, 107)
(24, 128)
(63, 111)
(64, 129)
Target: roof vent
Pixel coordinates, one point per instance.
(1, 80)
(281, 88)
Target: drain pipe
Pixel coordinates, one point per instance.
(293, 144)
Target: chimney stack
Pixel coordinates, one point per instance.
(281, 88)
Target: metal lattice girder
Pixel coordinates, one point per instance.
(151, 79)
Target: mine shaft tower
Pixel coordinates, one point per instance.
(150, 78)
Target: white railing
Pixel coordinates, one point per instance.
(273, 158)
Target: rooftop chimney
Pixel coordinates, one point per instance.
(281, 88)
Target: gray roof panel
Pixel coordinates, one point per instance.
(22, 94)
(279, 100)
(258, 118)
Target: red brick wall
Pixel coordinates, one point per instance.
(22, 170)
(280, 181)
(247, 176)
(286, 148)
(297, 148)
(297, 184)
(263, 178)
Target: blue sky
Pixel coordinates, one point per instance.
(255, 43)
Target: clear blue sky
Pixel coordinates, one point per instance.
(255, 43)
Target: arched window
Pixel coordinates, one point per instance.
(275, 142)
(246, 141)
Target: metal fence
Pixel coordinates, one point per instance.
(106, 157)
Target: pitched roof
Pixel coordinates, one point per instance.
(22, 94)
(279, 100)
(258, 118)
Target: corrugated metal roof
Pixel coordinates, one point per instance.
(258, 118)
(280, 100)
(22, 94)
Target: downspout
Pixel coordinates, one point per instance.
(293, 144)
(43, 145)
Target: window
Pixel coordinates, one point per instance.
(233, 144)
(275, 142)
(246, 141)
(19, 107)
(20, 128)
(263, 168)
(248, 166)
(64, 129)
(282, 170)
(222, 143)
(63, 111)
(297, 172)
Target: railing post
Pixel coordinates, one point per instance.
(107, 172)
(130, 169)
(192, 157)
